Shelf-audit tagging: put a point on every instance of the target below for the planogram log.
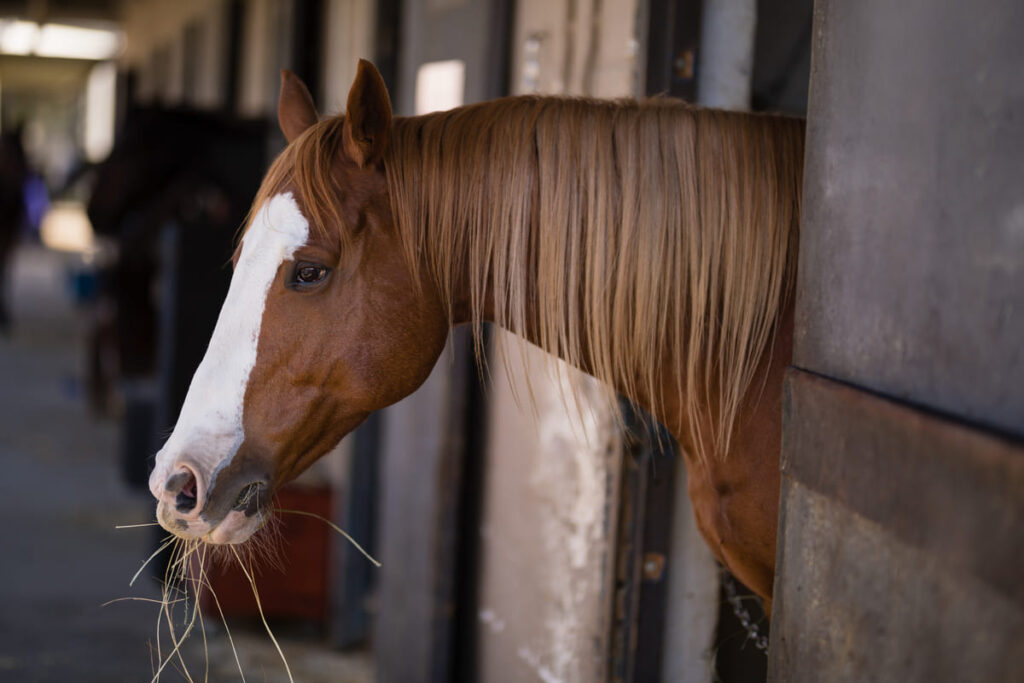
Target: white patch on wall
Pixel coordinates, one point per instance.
(531, 62)
(100, 103)
(548, 523)
(533, 660)
(19, 37)
(440, 85)
(491, 620)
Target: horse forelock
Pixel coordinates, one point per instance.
(306, 169)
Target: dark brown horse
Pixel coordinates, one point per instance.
(168, 165)
(652, 244)
(13, 172)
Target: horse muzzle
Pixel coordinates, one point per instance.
(226, 510)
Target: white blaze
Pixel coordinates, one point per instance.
(209, 429)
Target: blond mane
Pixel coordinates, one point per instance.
(631, 239)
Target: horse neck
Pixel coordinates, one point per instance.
(640, 243)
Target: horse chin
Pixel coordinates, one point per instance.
(237, 527)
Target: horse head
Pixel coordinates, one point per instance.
(324, 322)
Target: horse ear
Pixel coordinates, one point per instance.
(368, 116)
(295, 109)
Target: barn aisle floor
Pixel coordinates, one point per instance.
(60, 499)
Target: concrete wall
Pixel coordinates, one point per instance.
(436, 30)
(914, 179)
(572, 47)
(150, 24)
(263, 45)
(156, 47)
(903, 469)
(211, 59)
(348, 36)
(548, 527)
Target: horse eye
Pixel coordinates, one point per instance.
(306, 274)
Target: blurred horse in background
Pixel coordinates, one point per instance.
(13, 173)
(169, 166)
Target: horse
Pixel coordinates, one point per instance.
(168, 164)
(13, 173)
(652, 244)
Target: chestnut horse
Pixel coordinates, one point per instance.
(652, 244)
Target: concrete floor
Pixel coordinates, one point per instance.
(60, 498)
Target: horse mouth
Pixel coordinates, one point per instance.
(248, 512)
(238, 526)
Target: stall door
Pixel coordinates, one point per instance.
(903, 466)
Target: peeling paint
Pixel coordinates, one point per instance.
(491, 620)
(531, 658)
(552, 473)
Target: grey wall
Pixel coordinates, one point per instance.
(912, 253)
(434, 30)
(903, 466)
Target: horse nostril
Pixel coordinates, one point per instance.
(185, 501)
